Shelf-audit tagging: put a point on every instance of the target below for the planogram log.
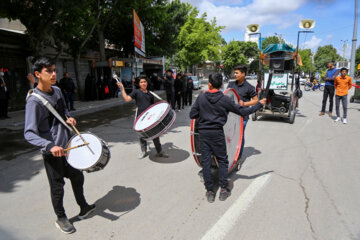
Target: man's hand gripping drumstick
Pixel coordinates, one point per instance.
(72, 122)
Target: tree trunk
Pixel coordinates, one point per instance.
(80, 87)
(101, 43)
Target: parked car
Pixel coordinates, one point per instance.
(196, 82)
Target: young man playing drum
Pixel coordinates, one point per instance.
(44, 130)
(143, 100)
(247, 94)
(211, 110)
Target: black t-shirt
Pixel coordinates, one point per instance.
(245, 91)
(143, 100)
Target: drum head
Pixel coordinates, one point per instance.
(82, 158)
(233, 130)
(151, 116)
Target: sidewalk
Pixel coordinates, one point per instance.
(17, 118)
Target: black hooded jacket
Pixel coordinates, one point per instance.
(212, 108)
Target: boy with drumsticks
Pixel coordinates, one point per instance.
(143, 100)
(211, 109)
(44, 130)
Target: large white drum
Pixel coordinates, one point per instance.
(155, 120)
(233, 131)
(82, 158)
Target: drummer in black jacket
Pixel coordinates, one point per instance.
(211, 109)
(143, 99)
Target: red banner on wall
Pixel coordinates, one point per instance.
(139, 35)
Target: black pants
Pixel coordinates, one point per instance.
(156, 141)
(328, 91)
(214, 143)
(170, 98)
(4, 107)
(178, 100)
(183, 95)
(188, 97)
(56, 169)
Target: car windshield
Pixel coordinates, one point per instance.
(194, 78)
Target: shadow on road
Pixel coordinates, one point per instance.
(235, 177)
(249, 151)
(118, 200)
(175, 154)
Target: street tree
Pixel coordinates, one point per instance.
(323, 55)
(270, 40)
(306, 57)
(198, 40)
(239, 53)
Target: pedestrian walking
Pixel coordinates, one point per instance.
(178, 85)
(4, 97)
(211, 110)
(247, 94)
(45, 131)
(342, 85)
(170, 89)
(329, 89)
(68, 88)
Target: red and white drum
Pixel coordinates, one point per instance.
(155, 120)
(233, 130)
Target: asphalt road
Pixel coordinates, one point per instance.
(299, 181)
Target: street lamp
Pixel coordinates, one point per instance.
(304, 24)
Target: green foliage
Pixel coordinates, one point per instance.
(323, 55)
(308, 66)
(238, 53)
(270, 40)
(198, 40)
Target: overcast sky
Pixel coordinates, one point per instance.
(334, 19)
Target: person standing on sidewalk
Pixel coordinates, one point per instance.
(68, 87)
(170, 88)
(189, 90)
(4, 97)
(44, 130)
(247, 94)
(183, 95)
(179, 89)
(143, 99)
(342, 85)
(329, 89)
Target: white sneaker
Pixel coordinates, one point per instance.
(344, 121)
(337, 119)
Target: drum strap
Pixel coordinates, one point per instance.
(155, 95)
(49, 107)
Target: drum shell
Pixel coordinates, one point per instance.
(160, 126)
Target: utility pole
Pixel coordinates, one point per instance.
(344, 49)
(353, 47)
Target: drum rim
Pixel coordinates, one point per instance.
(67, 145)
(192, 141)
(156, 122)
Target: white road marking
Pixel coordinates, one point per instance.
(233, 214)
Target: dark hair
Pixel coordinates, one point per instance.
(142, 76)
(169, 70)
(216, 80)
(344, 68)
(241, 68)
(178, 75)
(42, 62)
(65, 73)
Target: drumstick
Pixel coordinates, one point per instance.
(78, 133)
(70, 148)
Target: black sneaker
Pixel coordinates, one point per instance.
(64, 225)
(224, 194)
(210, 195)
(86, 211)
